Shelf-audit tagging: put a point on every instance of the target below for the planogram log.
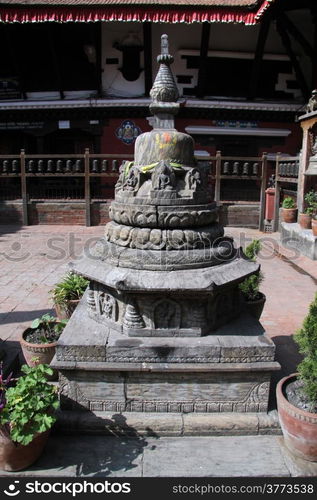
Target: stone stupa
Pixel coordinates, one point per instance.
(162, 327)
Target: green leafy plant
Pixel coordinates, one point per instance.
(306, 339)
(288, 202)
(250, 287)
(311, 203)
(252, 250)
(71, 287)
(45, 329)
(28, 407)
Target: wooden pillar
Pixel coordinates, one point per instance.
(258, 57)
(303, 162)
(147, 43)
(15, 57)
(24, 196)
(262, 192)
(218, 177)
(202, 71)
(95, 34)
(277, 195)
(87, 189)
(56, 67)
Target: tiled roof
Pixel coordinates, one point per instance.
(90, 3)
(247, 12)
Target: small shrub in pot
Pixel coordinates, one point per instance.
(67, 293)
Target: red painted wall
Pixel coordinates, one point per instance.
(111, 144)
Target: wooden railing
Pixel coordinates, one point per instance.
(89, 166)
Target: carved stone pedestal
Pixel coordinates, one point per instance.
(228, 371)
(161, 328)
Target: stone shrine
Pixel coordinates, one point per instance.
(162, 327)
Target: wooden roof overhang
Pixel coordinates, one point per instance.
(247, 12)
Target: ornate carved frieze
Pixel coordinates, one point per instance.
(164, 216)
(162, 239)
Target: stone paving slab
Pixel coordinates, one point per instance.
(101, 456)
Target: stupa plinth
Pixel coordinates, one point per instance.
(162, 327)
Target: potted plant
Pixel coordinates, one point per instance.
(250, 287)
(40, 339)
(67, 293)
(314, 224)
(26, 416)
(313, 205)
(297, 394)
(305, 218)
(289, 210)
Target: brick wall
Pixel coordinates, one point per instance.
(238, 215)
(10, 212)
(62, 212)
(73, 213)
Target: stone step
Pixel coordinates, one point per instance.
(168, 424)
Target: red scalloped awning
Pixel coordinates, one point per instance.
(140, 13)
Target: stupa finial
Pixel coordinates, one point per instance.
(164, 92)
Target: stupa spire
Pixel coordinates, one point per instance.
(164, 92)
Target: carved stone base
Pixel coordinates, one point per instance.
(168, 424)
(105, 370)
(129, 388)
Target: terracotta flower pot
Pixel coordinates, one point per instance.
(299, 427)
(289, 215)
(304, 221)
(314, 226)
(14, 457)
(66, 312)
(43, 352)
(255, 307)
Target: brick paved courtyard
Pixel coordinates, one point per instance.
(34, 258)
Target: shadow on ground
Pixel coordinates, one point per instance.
(22, 316)
(121, 452)
(288, 356)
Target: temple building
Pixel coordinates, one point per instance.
(76, 74)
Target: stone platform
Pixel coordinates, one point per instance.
(301, 240)
(216, 373)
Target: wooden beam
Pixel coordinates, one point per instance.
(288, 47)
(204, 44)
(298, 36)
(258, 56)
(147, 43)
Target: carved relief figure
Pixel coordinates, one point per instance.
(163, 177)
(193, 180)
(120, 180)
(132, 181)
(312, 103)
(167, 314)
(107, 306)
